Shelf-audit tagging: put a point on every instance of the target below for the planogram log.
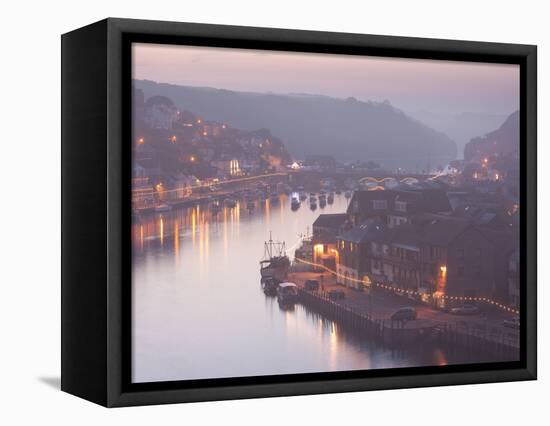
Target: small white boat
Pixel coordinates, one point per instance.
(287, 293)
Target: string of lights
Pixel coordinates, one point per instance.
(249, 178)
(219, 183)
(402, 291)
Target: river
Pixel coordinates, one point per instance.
(198, 310)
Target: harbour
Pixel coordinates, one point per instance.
(201, 305)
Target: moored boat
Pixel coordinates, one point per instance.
(230, 202)
(276, 263)
(295, 204)
(287, 293)
(269, 286)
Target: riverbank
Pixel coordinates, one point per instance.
(372, 312)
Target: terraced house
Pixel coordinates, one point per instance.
(433, 254)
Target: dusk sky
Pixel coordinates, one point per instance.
(413, 85)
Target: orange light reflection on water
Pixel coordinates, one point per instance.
(161, 225)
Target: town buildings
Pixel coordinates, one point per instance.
(173, 150)
(326, 228)
(414, 240)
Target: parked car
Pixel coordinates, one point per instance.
(336, 294)
(404, 314)
(511, 323)
(465, 310)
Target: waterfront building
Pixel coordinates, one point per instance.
(228, 166)
(401, 261)
(354, 256)
(433, 255)
(325, 230)
(461, 259)
(513, 279)
(142, 190)
(395, 207)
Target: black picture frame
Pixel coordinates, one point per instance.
(96, 255)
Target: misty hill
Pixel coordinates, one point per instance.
(504, 141)
(307, 124)
(460, 127)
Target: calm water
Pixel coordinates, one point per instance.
(199, 312)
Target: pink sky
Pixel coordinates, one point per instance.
(436, 86)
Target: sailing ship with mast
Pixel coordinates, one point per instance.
(275, 265)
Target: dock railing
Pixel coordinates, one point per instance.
(453, 335)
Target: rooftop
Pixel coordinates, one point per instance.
(367, 231)
(333, 221)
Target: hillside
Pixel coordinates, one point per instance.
(461, 127)
(504, 141)
(346, 129)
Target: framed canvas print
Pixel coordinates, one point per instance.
(252, 212)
